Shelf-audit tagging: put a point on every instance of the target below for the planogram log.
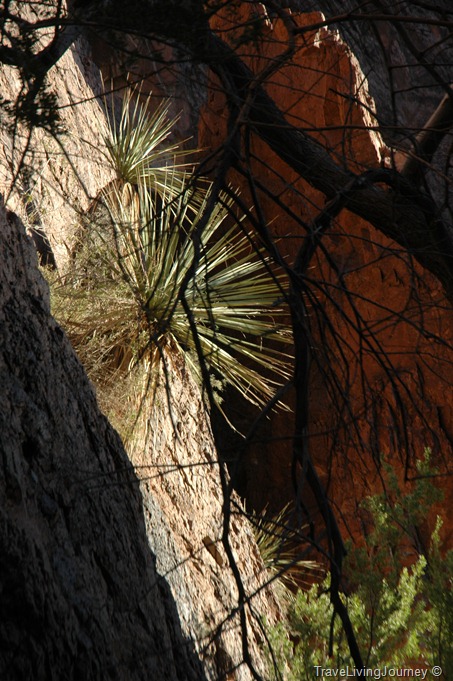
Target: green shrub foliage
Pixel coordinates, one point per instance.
(398, 594)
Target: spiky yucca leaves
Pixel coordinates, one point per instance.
(232, 296)
(138, 147)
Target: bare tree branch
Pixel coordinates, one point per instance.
(427, 141)
(401, 213)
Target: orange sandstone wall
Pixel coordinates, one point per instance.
(320, 90)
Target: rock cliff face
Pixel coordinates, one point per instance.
(404, 87)
(81, 596)
(65, 175)
(103, 577)
(111, 568)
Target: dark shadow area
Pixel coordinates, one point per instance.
(80, 596)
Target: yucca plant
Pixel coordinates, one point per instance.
(231, 296)
(127, 310)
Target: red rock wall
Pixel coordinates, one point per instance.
(397, 372)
